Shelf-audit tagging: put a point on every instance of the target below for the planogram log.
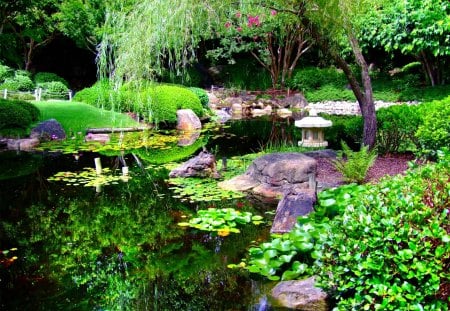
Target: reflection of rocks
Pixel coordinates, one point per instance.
(187, 138)
(188, 120)
(25, 144)
(203, 165)
(300, 295)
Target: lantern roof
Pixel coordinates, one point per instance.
(313, 121)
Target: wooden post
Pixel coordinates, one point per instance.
(98, 166)
(5, 93)
(70, 95)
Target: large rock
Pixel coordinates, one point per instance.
(188, 120)
(48, 130)
(25, 144)
(299, 295)
(203, 165)
(283, 172)
(290, 207)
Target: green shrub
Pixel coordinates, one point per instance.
(165, 100)
(44, 77)
(32, 109)
(191, 77)
(13, 115)
(19, 82)
(53, 88)
(5, 72)
(390, 249)
(354, 165)
(98, 95)
(330, 92)
(313, 78)
(345, 128)
(434, 132)
(202, 95)
(397, 126)
(245, 74)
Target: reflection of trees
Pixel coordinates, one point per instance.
(122, 250)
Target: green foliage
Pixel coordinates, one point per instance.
(189, 77)
(390, 249)
(244, 74)
(434, 132)
(165, 100)
(53, 88)
(15, 114)
(89, 177)
(202, 95)
(354, 165)
(397, 126)
(313, 78)
(223, 221)
(97, 95)
(18, 83)
(5, 72)
(43, 77)
(345, 128)
(330, 92)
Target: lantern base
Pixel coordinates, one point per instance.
(312, 144)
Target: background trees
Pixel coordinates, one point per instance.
(417, 28)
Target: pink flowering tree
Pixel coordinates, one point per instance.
(276, 38)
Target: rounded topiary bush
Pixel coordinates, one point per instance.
(45, 77)
(30, 108)
(164, 101)
(13, 115)
(53, 88)
(99, 95)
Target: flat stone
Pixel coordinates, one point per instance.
(23, 144)
(239, 183)
(299, 295)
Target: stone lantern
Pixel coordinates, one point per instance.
(312, 130)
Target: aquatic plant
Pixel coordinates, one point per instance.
(222, 220)
(89, 178)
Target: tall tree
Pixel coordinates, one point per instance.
(276, 39)
(420, 28)
(25, 27)
(160, 33)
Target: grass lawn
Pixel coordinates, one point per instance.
(77, 117)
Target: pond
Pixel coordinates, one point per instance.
(72, 241)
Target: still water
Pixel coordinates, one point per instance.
(118, 246)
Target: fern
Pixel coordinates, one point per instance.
(354, 165)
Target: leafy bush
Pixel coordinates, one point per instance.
(434, 132)
(244, 74)
(397, 126)
(19, 82)
(5, 72)
(344, 128)
(13, 115)
(313, 78)
(98, 95)
(30, 108)
(167, 99)
(354, 165)
(329, 92)
(191, 77)
(202, 95)
(390, 249)
(373, 247)
(55, 87)
(44, 77)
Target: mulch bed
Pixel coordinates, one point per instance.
(384, 165)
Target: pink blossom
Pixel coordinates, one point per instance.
(273, 12)
(239, 29)
(238, 14)
(227, 24)
(253, 21)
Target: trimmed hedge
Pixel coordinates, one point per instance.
(202, 95)
(45, 77)
(17, 114)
